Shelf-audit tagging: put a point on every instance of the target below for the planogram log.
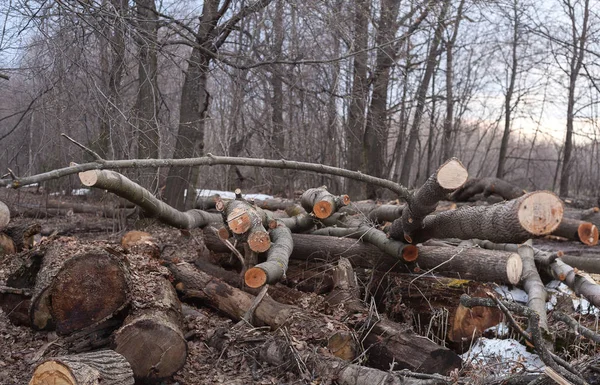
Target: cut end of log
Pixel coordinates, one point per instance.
(259, 241)
(588, 233)
(410, 253)
(52, 373)
(342, 345)
(323, 209)
(79, 293)
(452, 174)
(540, 212)
(219, 205)
(255, 277)
(135, 238)
(346, 199)
(239, 221)
(7, 245)
(89, 178)
(4, 215)
(514, 268)
(273, 224)
(223, 233)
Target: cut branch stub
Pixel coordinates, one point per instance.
(450, 176)
(321, 202)
(4, 215)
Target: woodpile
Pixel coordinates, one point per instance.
(383, 270)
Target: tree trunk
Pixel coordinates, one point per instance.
(65, 298)
(534, 214)
(151, 338)
(359, 95)
(422, 95)
(105, 367)
(487, 187)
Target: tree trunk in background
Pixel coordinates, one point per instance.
(146, 104)
(578, 49)
(449, 119)
(508, 107)
(376, 130)
(279, 181)
(422, 94)
(358, 102)
(193, 109)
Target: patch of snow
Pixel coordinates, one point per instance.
(580, 304)
(502, 357)
(229, 194)
(80, 191)
(500, 330)
(514, 294)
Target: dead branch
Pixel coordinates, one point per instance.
(274, 268)
(487, 186)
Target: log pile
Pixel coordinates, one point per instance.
(388, 269)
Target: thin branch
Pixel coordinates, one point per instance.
(97, 157)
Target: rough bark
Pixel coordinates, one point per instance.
(151, 338)
(386, 213)
(65, 298)
(450, 176)
(7, 245)
(207, 203)
(576, 230)
(587, 263)
(105, 367)
(125, 188)
(534, 214)
(4, 215)
(487, 187)
(249, 221)
(482, 265)
(275, 267)
(235, 303)
(22, 235)
(321, 202)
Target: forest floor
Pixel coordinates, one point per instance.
(235, 361)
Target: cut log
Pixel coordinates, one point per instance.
(122, 186)
(274, 268)
(534, 214)
(321, 202)
(388, 342)
(299, 220)
(23, 234)
(105, 367)
(244, 219)
(4, 215)
(278, 353)
(235, 303)
(151, 338)
(7, 245)
(577, 230)
(209, 202)
(66, 298)
(487, 186)
(470, 263)
(450, 176)
(386, 213)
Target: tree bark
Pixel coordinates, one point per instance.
(321, 202)
(576, 230)
(4, 215)
(7, 245)
(534, 214)
(248, 221)
(450, 176)
(66, 299)
(125, 188)
(275, 267)
(22, 235)
(487, 186)
(151, 338)
(105, 367)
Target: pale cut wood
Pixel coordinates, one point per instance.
(540, 212)
(105, 367)
(7, 245)
(452, 174)
(321, 202)
(4, 215)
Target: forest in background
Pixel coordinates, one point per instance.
(391, 88)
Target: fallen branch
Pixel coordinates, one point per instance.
(576, 230)
(487, 186)
(321, 202)
(274, 268)
(125, 188)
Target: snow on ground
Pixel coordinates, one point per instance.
(230, 194)
(502, 357)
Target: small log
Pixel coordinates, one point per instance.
(4, 215)
(243, 218)
(122, 186)
(274, 268)
(589, 263)
(66, 298)
(105, 367)
(386, 213)
(577, 230)
(532, 215)
(450, 176)
(151, 338)
(7, 245)
(299, 220)
(487, 186)
(321, 202)
(23, 234)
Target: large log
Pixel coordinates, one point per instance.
(449, 176)
(151, 338)
(468, 263)
(133, 192)
(577, 230)
(532, 215)
(64, 295)
(105, 367)
(487, 186)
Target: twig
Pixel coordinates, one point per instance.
(93, 153)
(14, 290)
(576, 326)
